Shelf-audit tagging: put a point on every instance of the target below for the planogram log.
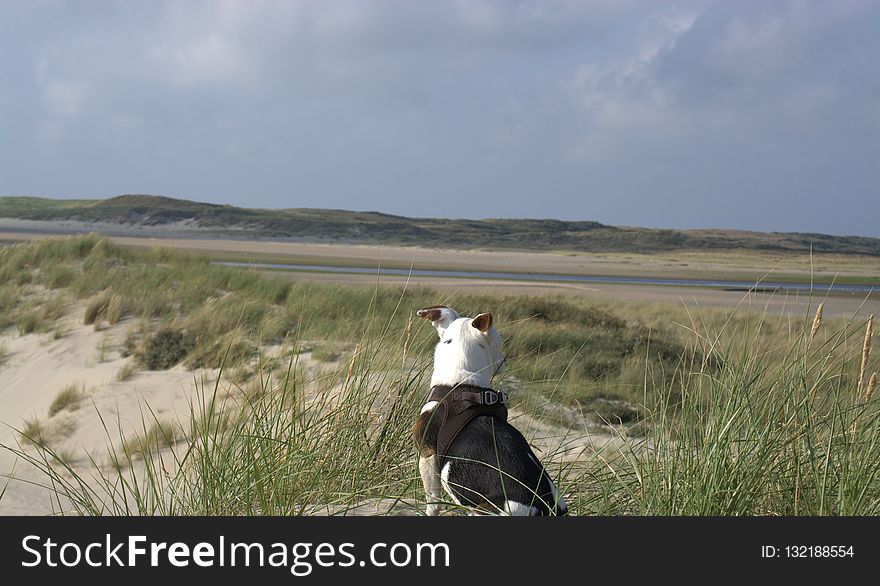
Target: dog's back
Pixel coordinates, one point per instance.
(491, 467)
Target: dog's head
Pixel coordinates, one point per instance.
(469, 350)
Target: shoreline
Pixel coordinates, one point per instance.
(821, 269)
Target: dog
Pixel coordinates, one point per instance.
(467, 449)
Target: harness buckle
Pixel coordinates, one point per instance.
(491, 397)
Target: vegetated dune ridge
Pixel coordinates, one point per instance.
(690, 384)
(375, 227)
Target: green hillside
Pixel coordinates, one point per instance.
(375, 227)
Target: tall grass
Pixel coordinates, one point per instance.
(738, 414)
(331, 440)
(4, 354)
(760, 437)
(68, 399)
(755, 435)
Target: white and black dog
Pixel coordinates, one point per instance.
(466, 446)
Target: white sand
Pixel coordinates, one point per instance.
(38, 367)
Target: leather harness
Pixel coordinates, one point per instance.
(459, 405)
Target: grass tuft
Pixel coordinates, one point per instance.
(165, 348)
(33, 433)
(68, 399)
(28, 323)
(96, 308)
(128, 370)
(162, 434)
(115, 309)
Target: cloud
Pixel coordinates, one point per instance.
(623, 111)
(64, 99)
(196, 61)
(749, 73)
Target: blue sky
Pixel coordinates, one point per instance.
(756, 115)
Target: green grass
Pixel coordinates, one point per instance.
(161, 434)
(97, 307)
(580, 353)
(68, 399)
(9, 299)
(197, 313)
(128, 370)
(756, 436)
(28, 324)
(326, 353)
(33, 433)
(762, 437)
(11, 206)
(40, 315)
(717, 413)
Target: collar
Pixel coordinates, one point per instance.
(467, 393)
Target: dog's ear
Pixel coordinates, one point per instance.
(432, 313)
(483, 322)
(440, 316)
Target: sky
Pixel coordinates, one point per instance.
(761, 115)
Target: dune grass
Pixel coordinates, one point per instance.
(736, 413)
(325, 353)
(68, 399)
(28, 324)
(96, 307)
(742, 434)
(187, 310)
(33, 432)
(128, 370)
(161, 434)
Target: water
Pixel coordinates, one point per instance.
(763, 286)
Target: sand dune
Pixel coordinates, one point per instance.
(38, 367)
